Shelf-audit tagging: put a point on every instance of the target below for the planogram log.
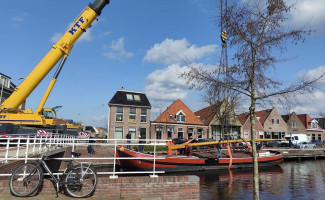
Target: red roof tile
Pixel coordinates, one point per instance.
(173, 109)
(306, 119)
(207, 114)
(243, 118)
(263, 115)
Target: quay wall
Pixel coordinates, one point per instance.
(139, 187)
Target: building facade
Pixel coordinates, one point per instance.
(6, 88)
(178, 121)
(313, 130)
(273, 124)
(221, 120)
(294, 124)
(246, 127)
(129, 111)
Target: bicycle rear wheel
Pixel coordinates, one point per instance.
(25, 180)
(81, 181)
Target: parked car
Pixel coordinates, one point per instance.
(306, 145)
(179, 140)
(318, 143)
(273, 144)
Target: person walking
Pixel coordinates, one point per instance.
(128, 137)
(140, 147)
(219, 147)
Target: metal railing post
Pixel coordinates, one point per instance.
(7, 149)
(115, 148)
(40, 143)
(34, 145)
(27, 149)
(18, 146)
(154, 175)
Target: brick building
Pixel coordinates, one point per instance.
(129, 111)
(178, 121)
(246, 127)
(274, 125)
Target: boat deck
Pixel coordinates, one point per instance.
(213, 154)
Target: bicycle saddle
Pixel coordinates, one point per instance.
(75, 154)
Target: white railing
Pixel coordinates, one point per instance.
(24, 148)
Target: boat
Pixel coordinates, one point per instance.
(193, 160)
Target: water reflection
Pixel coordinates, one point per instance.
(291, 180)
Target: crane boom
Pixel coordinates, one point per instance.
(60, 49)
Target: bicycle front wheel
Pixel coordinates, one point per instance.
(25, 180)
(81, 181)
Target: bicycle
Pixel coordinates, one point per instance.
(78, 180)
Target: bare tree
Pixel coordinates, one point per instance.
(256, 30)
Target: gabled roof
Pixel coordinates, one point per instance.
(306, 119)
(243, 117)
(263, 115)
(137, 99)
(207, 114)
(175, 108)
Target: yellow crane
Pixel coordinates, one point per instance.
(16, 121)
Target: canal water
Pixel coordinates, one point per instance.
(294, 180)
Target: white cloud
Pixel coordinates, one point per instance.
(21, 17)
(311, 105)
(117, 50)
(309, 11)
(86, 36)
(173, 51)
(317, 72)
(165, 84)
(55, 38)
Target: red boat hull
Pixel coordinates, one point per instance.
(136, 161)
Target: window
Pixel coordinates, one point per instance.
(118, 133)
(246, 135)
(180, 132)
(294, 125)
(133, 133)
(199, 132)
(143, 115)
(136, 97)
(158, 132)
(319, 137)
(132, 115)
(277, 121)
(170, 131)
(171, 117)
(261, 133)
(313, 136)
(119, 114)
(129, 97)
(133, 97)
(180, 117)
(4, 81)
(313, 125)
(272, 121)
(190, 132)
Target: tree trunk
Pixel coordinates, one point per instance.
(253, 139)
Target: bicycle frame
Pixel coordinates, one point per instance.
(60, 181)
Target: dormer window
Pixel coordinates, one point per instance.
(133, 97)
(171, 117)
(313, 125)
(129, 97)
(180, 116)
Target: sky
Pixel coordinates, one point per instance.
(140, 46)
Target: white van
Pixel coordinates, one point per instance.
(295, 139)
